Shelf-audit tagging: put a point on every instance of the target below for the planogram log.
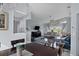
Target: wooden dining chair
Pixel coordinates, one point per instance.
(14, 42)
(60, 51)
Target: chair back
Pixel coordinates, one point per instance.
(17, 41)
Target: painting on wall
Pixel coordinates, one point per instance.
(3, 21)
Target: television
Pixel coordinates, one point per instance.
(37, 28)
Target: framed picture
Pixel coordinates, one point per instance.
(3, 20)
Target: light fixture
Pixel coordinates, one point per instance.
(51, 17)
(64, 22)
(69, 10)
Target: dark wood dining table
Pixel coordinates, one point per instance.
(41, 50)
(36, 49)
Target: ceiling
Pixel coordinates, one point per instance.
(44, 11)
(39, 11)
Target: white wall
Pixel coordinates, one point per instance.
(44, 28)
(6, 35)
(74, 29)
(67, 28)
(77, 32)
(22, 26)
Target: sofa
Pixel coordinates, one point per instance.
(67, 42)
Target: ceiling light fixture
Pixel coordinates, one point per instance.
(64, 22)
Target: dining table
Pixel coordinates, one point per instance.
(41, 50)
(34, 48)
